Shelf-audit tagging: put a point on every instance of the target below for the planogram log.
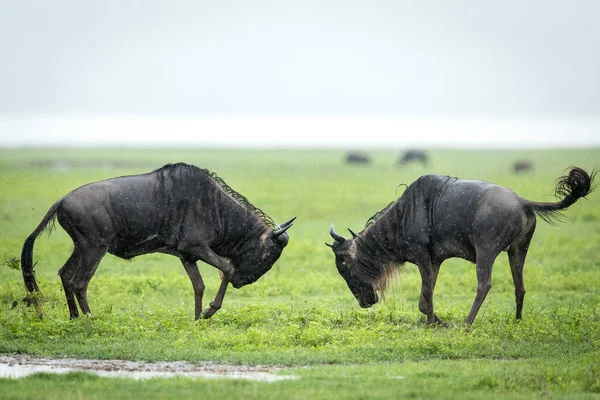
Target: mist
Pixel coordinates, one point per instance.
(505, 68)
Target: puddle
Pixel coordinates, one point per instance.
(20, 366)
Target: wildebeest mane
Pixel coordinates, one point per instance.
(187, 171)
(378, 214)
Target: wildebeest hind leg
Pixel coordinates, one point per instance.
(192, 270)
(87, 264)
(65, 274)
(516, 258)
(485, 261)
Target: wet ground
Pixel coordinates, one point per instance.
(20, 366)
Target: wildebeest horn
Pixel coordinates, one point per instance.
(280, 229)
(354, 235)
(286, 223)
(335, 236)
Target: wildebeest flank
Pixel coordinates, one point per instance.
(178, 209)
(439, 217)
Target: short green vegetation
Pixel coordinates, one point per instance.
(301, 314)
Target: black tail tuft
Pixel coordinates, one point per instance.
(569, 188)
(575, 185)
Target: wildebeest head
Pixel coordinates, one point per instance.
(350, 266)
(251, 263)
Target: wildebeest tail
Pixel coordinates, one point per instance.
(569, 188)
(27, 259)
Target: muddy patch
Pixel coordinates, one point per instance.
(20, 366)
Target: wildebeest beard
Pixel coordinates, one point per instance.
(377, 261)
(376, 254)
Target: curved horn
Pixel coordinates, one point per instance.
(354, 235)
(335, 236)
(280, 229)
(286, 223)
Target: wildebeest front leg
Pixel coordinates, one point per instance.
(197, 283)
(429, 272)
(218, 302)
(205, 254)
(484, 283)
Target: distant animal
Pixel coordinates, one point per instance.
(439, 217)
(410, 156)
(522, 166)
(357, 158)
(178, 209)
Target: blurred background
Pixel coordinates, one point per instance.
(271, 74)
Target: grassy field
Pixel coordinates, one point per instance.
(301, 314)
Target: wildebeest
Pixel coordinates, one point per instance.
(439, 217)
(412, 156)
(357, 158)
(178, 209)
(522, 166)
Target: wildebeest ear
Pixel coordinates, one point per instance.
(329, 245)
(354, 235)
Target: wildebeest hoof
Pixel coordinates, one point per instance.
(444, 324)
(438, 322)
(206, 314)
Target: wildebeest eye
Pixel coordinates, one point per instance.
(342, 264)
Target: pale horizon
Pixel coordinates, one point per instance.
(255, 132)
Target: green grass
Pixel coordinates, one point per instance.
(475, 379)
(301, 314)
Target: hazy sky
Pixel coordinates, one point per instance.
(237, 57)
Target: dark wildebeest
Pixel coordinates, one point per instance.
(522, 166)
(412, 156)
(178, 209)
(357, 158)
(439, 217)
